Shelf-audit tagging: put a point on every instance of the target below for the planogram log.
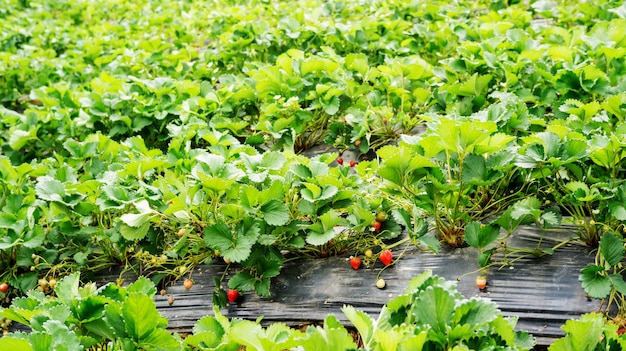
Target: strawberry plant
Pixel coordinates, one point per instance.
(603, 279)
(589, 332)
(455, 173)
(427, 313)
(82, 317)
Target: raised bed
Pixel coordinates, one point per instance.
(543, 292)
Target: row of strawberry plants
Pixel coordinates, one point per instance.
(430, 315)
(295, 97)
(146, 147)
(170, 212)
(111, 203)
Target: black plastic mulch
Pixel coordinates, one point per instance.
(543, 292)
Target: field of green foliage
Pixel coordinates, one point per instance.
(159, 135)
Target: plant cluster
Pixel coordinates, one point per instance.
(161, 135)
(125, 318)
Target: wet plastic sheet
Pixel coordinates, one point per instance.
(543, 292)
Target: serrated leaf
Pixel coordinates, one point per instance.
(275, 212)
(50, 189)
(612, 248)
(142, 285)
(234, 247)
(479, 236)
(361, 321)
(582, 334)
(617, 282)
(551, 217)
(19, 138)
(67, 288)
(530, 206)
(435, 308)
(595, 282)
(137, 220)
(134, 233)
(140, 315)
(11, 343)
(160, 340)
(475, 313)
(243, 281)
(474, 168)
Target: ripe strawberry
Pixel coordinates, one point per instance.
(233, 295)
(188, 283)
(386, 257)
(352, 163)
(481, 282)
(355, 262)
(340, 161)
(376, 225)
(4, 287)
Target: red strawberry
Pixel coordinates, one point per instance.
(340, 161)
(233, 295)
(352, 163)
(355, 262)
(386, 257)
(376, 225)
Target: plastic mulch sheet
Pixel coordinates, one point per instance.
(542, 291)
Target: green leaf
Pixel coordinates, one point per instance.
(330, 106)
(479, 236)
(242, 281)
(142, 285)
(595, 281)
(582, 334)
(10, 343)
(504, 328)
(323, 231)
(474, 168)
(530, 207)
(617, 282)
(132, 233)
(273, 160)
(140, 315)
(140, 219)
(612, 248)
(19, 138)
(474, 86)
(551, 217)
(89, 309)
(484, 258)
(435, 308)
(67, 288)
(236, 248)
(160, 340)
(41, 341)
(311, 192)
(332, 336)
(63, 337)
(275, 212)
(475, 313)
(362, 322)
(50, 189)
